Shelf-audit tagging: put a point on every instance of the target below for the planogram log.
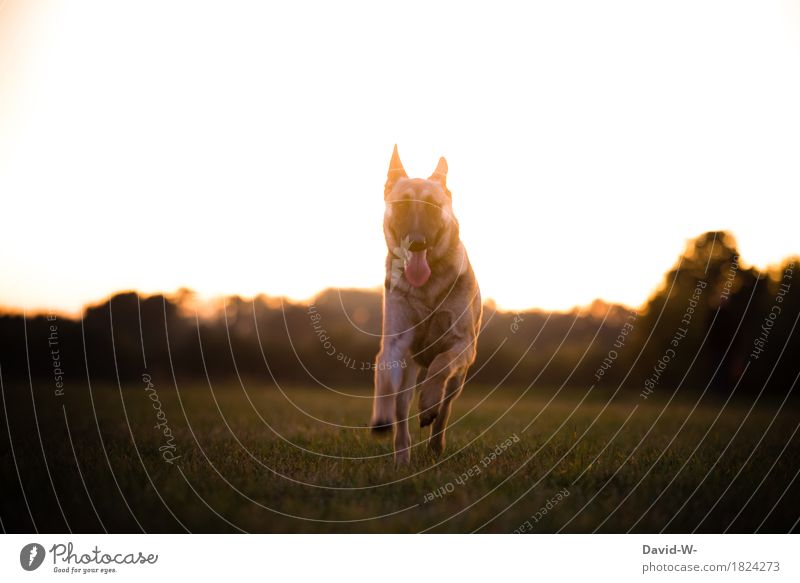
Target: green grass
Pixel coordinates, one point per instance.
(257, 462)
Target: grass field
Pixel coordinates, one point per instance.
(303, 461)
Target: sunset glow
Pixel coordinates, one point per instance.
(239, 158)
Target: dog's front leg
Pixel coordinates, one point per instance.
(432, 389)
(402, 435)
(452, 389)
(388, 380)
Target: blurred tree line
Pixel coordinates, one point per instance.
(712, 323)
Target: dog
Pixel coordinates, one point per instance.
(432, 309)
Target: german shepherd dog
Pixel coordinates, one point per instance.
(431, 309)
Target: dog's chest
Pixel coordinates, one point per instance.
(432, 336)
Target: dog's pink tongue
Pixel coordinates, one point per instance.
(417, 271)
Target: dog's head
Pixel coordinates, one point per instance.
(418, 219)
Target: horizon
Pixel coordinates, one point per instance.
(210, 304)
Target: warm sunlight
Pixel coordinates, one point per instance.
(399, 267)
(239, 157)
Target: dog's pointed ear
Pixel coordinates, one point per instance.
(396, 172)
(440, 174)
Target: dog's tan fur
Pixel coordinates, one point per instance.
(433, 328)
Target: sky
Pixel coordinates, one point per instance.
(242, 148)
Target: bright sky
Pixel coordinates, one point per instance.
(242, 148)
